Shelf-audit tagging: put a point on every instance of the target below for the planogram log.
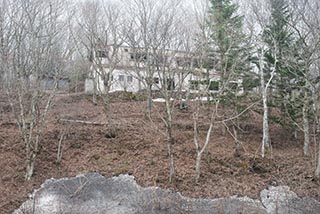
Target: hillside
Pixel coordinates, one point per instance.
(139, 149)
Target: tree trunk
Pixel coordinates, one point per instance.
(198, 169)
(201, 150)
(95, 78)
(94, 94)
(306, 131)
(237, 152)
(266, 137)
(188, 98)
(264, 90)
(171, 159)
(60, 149)
(149, 100)
(31, 158)
(317, 172)
(29, 170)
(170, 139)
(196, 141)
(106, 106)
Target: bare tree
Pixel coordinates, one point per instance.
(305, 27)
(144, 39)
(223, 55)
(34, 52)
(103, 36)
(159, 41)
(173, 75)
(257, 22)
(264, 92)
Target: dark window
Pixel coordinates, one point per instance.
(233, 85)
(194, 84)
(126, 50)
(214, 86)
(90, 56)
(101, 54)
(139, 57)
(106, 79)
(129, 79)
(121, 78)
(195, 63)
(170, 84)
(156, 80)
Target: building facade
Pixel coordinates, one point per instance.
(126, 69)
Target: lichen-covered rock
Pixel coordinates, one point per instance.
(281, 200)
(94, 193)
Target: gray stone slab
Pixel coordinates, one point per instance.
(93, 193)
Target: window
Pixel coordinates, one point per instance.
(90, 56)
(101, 54)
(139, 57)
(170, 84)
(129, 79)
(214, 86)
(195, 63)
(156, 80)
(106, 79)
(121, 78)
(194, 84)
(126, 50)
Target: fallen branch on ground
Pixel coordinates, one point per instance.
(82, 122)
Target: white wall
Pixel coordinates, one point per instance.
(127, 80)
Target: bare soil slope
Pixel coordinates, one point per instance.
(139, 148)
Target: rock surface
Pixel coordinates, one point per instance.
(94, 193)
(281, 200)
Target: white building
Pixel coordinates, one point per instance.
(127, 69)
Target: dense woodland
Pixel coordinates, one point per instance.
(272, 45)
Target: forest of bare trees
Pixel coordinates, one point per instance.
(272, 46)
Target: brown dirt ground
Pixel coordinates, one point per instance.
(139, 148)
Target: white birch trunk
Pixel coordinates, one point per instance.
(94, 94)
(264, 90)
(200, 151)
(30, 168)
(197, 143)
(266, 137)
(170, 139)
(306, 131)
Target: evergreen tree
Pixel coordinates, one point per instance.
(230, 51)
(282, 44)
(227, 39)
